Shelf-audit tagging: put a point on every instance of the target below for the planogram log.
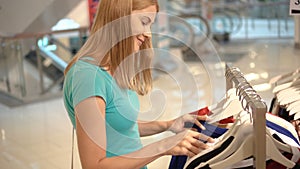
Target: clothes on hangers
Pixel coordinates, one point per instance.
(283, 133)
(236, 76)
(297, 166)
(286, 102)
(270, 153)
(178, 162)
(295, 156)
(285, 125)
(206, 111)
(232, 140)
(210, 154)
(282, 112)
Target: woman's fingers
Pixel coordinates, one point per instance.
(190, 143)
(196, 120)
(193, 142)
(204, 137)
(202, 118)
(190, 147)
(199, 125)
(187, 152)
(199, 144)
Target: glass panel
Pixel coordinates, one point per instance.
(23, 77)
(240, 19)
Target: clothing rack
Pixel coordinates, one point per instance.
(255, 105)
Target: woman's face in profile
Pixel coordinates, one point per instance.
(141, 25)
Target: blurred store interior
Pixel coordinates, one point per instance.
(194, 40)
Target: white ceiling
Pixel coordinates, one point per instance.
(39, 15)
(80, 14)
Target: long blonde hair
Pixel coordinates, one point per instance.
(111, 42)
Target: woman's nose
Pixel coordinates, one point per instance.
(147, 32)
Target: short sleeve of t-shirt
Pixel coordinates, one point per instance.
(83, 81)
(87, 83)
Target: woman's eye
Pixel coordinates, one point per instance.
(145, 21)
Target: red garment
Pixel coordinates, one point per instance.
(201, 112)
(206, 111)
(227, 120)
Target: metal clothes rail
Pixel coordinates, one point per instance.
(255, 105)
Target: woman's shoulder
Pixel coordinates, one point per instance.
(87, 75)
(87, 69)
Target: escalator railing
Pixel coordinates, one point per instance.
(241, 19)
(32, 65)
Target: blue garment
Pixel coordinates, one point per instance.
(178, 162)
(282, 130)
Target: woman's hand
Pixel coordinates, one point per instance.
(177, 125)
(187, 142)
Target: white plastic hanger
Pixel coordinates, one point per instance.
(294, 110)
(289, 100)
(232, 108)
(245, 150)
(240, 148)
(240, 133)
(285, 86)
(239, 136)
(281, 146)
(297, 116)
(243, 118)
(227, 107)
(232, 131)
(229, 96)
(292, 105)
(289, 95)
(288, 92)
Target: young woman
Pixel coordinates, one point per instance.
(101, 87)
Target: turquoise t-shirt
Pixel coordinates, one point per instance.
(85, 80)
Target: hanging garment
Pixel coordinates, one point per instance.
(276, 129)
(285, 135)
(210, 155)
(284, 127)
